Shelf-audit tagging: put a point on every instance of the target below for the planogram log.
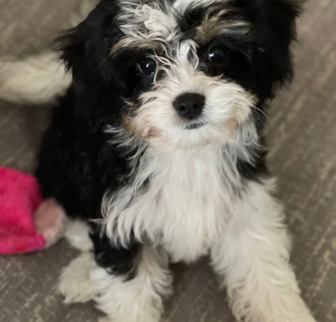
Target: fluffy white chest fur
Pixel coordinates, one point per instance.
(184, 207)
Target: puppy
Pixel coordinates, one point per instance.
(157, 148)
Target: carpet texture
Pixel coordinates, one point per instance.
(302, 141)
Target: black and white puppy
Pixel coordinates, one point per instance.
(158, 147)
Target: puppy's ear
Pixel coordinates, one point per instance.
(273, 24)
(86, 48)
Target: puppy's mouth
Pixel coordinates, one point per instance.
(194, 125)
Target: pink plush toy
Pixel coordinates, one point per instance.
(27, 223)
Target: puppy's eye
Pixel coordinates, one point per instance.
(147, 65)
(218, 55)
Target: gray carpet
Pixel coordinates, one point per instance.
(302, 140)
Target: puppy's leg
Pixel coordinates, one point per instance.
(137, 296)
(252, 255)
(75, 284)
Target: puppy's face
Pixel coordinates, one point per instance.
(183, 73)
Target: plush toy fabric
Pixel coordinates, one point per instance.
(27, 223)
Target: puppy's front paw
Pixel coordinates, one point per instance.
(75, 284)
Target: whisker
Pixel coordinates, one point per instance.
(261, 111)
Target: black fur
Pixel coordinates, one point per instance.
(77, 162)
(272, 34)
(114, 258)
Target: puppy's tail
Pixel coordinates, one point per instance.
(37, 79)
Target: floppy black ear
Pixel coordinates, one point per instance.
(273, 30)
(86, 48)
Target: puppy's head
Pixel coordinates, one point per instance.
(180, 73)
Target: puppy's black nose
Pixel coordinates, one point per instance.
(189, 105)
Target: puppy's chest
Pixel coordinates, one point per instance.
(185, 204)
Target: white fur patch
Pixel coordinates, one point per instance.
(34, 80)
(140, 21)
(77, 234)
(183, 5)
